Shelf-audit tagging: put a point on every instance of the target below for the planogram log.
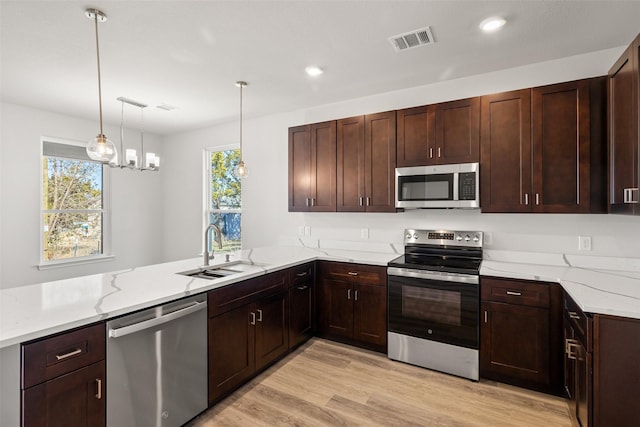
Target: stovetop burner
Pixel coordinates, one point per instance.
(441, 250)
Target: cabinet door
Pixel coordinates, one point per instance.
(272, 329)
(624, 79)
(231, 351)
(299, 168)
(350, 165)
(515, 342)
(505, 169)
(458, 131)
(335, 308)
(415, 135)
(300, 313)
(370, 314)
(75, 400)
(323, 167)
(561, 147)
(380, 161)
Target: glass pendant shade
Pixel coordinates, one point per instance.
(101, 149)
(241, 170)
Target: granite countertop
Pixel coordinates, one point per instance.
(598, 284)
(34, 311)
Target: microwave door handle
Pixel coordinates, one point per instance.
(456, 176)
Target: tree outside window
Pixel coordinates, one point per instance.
(72, 204)
(225, 198)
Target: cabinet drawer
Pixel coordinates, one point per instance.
(361, 273)
(60, 354)
(300, 273)
(579, 321)
(237, 294)
(533, 294)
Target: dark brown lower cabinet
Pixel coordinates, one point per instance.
(74, 400)
(63, 379)
(248, 329)
(521, 327)
(616, 382)
(352, 304)
(301, 304)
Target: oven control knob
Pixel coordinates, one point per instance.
(408, 236)
(467, 238)
(459, 238)
(476, 238)
(415, 236)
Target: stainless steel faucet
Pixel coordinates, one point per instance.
(208, 255)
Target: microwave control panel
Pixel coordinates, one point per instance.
(467, 186)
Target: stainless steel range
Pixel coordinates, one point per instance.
(434, 299)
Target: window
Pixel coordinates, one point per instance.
(224, 198)
(73, 204)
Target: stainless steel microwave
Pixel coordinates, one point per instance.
(439, 186)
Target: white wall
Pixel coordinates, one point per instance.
(136, 198)
(265, 217)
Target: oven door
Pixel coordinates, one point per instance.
(435, 306)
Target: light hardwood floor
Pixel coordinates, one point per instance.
(329, 384)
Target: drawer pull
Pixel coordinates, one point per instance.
(253, 318)
(99, 388)
(573, 315)
(259, 315)
(571, 348)
(352, 273)
(355, 296)
(517, 294)
(348, 294)
(304, 273)
(631, 195)
(67, 355)
(302, 288)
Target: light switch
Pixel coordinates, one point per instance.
(584, 243)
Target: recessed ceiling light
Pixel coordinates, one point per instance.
(313, 70)
(492, 24)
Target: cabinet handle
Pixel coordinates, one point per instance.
(70, 354)
(368, 201)
(574, 315)
(537, 199)
(439, 152)
(526, 198)
(352, 273)
(259, 315)
(570, 347)
(361, 201)
(348, 293)
(355, 296)
(486, 317)
(517, 294)
(631, 195)
(313, 201)
(431, 153)
(302, 288)
(253, 318)
(99, 388)
(304, 273)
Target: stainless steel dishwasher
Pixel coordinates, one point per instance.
(157, 365)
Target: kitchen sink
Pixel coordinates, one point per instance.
(222, 270)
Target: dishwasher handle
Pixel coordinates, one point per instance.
(136, 327)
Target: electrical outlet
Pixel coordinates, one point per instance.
(307, 230)
(364, 233)
(584, 243)
(301, 230)
(487, 238)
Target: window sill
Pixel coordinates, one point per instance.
(74, 262)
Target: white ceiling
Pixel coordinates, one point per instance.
(191, 53)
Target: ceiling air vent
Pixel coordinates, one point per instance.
(416, 38)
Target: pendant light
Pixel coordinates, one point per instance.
(99, 148)
(241, 170)
(148, 161)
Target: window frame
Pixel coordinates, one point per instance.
(206, 199)
(106, 254)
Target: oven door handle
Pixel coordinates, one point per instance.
(433, 275)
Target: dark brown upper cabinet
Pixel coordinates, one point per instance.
(548, 158)
(366, 160)
(624, 135)
(442, 133)
(312, 168)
